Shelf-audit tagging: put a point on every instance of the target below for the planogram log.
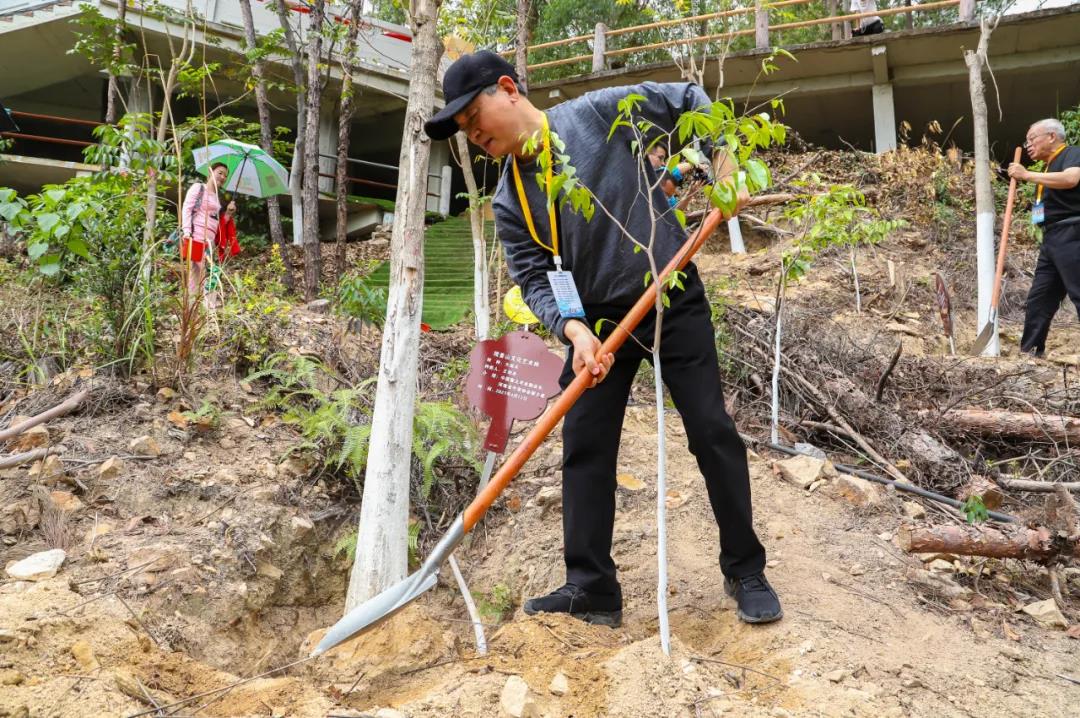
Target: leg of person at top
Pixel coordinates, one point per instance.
(592, 432)
(1043, 299)
(692, 374)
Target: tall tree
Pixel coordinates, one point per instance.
(112, 107)
(266, 135)
(382, 543)
(296, 171)
(315, 83)
(348, 107)
(984, 193)
(481, 304)
(521, 54)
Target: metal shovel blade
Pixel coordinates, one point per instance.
(984, 337)
(381, 607)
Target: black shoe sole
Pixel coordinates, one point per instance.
(611, 619)
(756, 620)
(747, 618)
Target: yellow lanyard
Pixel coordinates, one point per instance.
(527, 211)
(1038, 192)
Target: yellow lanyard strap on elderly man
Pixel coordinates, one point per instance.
(1039, 191)
(527, 211)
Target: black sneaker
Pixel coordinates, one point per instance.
(598, 610)
(758, 602)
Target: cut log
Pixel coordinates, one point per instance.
(985, 489)
(929, 456)
(1038, 544)
(1009, 424)
(65, 407)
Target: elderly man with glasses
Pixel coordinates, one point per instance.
(1057, 212)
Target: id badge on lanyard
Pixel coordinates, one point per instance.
(566, 294)
(1038, 213)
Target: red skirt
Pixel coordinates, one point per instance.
(192, 249)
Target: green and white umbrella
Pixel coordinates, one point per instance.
(252, 171)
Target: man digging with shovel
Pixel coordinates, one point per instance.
(483, 99)
(1057, 211)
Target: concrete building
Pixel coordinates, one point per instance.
(57, 97)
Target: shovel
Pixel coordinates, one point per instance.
(381, 607)
(987, 332)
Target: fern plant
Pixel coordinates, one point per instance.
(337, 424)
(442, 431)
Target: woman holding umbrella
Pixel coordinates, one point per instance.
(199, 223)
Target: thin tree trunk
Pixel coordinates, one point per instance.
(296, 170)
(382, 542)
(312, 241)
(521, 55)
(481, 306)
(344, 137)
(113, 101)
(258, 72)
(984, 196)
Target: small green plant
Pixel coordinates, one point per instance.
(207, 417)
(496, 604)
(975, 510)
(361, 303)
(346, 546)
(441, 431)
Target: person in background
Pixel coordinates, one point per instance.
(227, 245)
(674, 179)
(869, 25)
(199, 224)
(1057, 212)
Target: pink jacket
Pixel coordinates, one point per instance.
(202, 227)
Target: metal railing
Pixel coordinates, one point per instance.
(49, 139)
(760, 29)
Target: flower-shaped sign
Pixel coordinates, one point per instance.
(511, 378)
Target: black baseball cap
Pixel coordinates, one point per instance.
(462, 83)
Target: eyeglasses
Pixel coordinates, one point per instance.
(1031, 140)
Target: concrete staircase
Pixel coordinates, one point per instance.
(448, 273)
(26, 13)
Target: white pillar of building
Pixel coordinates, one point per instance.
(884, 109)
(439, 179)
(328, 141)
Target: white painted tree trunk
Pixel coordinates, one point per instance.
(984, 196)
(481, 304)
(382, 543)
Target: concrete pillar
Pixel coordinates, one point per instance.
(328, 137)
(884, 119)
(445, 184)
(761, 26)
(438, 184)
(599, 47)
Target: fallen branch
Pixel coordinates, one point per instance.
(65, 407)
(7, 462)
(1044, 487)
(1011, 424)
(1038, 544)
(888, 370)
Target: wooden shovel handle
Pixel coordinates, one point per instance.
(547, 422)
(1004, 237)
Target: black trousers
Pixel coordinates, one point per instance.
(874, 28)
(1057, 274)
(592, 436)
